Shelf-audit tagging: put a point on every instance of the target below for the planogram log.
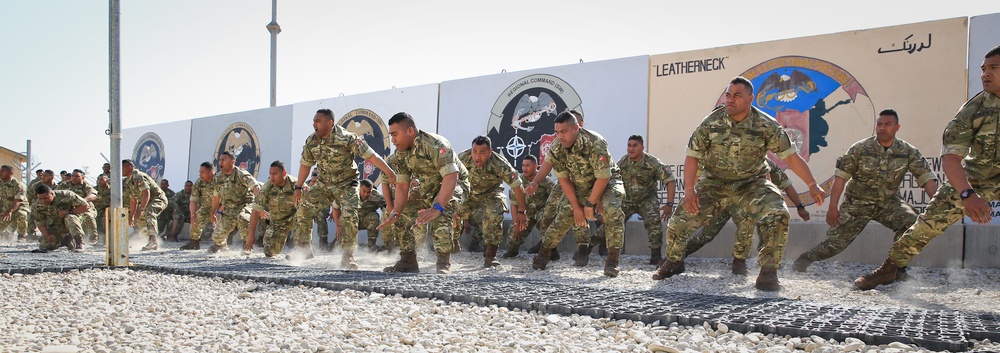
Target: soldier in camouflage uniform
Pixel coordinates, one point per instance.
(182, 210)
(371, 202)
(275, 205)
(82, 187)
(102, 203)
(535, 205)
(744, 228)
(13, 203)
(430, 159)
(46, 177)
(873, 169)
(163, 221)
(487, 170)
(200, 206)
(332, 150)
(323, 218)
(969, 154)
(731, 144)
(58, 217)
(405, 226)
(145, 200)
(592, 185)
(640, 172)
(232, 199)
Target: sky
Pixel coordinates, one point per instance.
(185, 59)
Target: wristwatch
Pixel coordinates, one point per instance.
(967, 193)
(524, 212)
(586, 203)
(800, 206)
(671, 204)
(296, 187)
(438, 207)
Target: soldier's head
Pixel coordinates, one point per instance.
(164, 184)
(127, 167)
(77, 177)
(64, 175)
(482, 149)
(47, 176)
(38, 173)
(991, 71)
(402, 130)
(188, 185)
(277, 173)
(6, 172)
(635, 147)
(886, 126)
(103, 181)
(106, 168)
(206, 171)
(323, 122)
(529, 166)
(567, 129)
(226, 162)
(739, 95)
(578, 115)
(365, 189)
(45, 194)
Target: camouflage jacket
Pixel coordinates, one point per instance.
(103, 197)
(63, 200)
(277, 199)
(488, 179)
(234, 190)
(414, 192)
(778, 176)
(374, 203)
(334, 156)
(536, 201)
(874, 173)
(182, 203)
(83, 190)
(429, 160)
(201, 193)
(11, 190)
(586, 161)
(640, 177)
(973, 134)
(33, 194)
(138, 181)
(170, 197)
(731, 151)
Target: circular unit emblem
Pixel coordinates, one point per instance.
(240, 140)
(369, 126)
(148, 155)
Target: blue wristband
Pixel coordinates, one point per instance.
(438, 207)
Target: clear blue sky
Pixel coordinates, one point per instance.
(184, 59)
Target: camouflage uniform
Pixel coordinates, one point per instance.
(487, 193)
(201, 192)
(583, 163)
(535, 209)
(744, 227)
(279, 202)
(236, 195)
(429, 160)
(133, 186)
(333, 157)
(101, 205)
(872, 192)
(322, 220)
(972, 134)
(163, 220)
(32, 198)
(368, 214)
(405, 225)
(64, 229)
(641, 193)
(557, 199)
(89, 219)
(182, 207)
(10, 191)
(735, 178)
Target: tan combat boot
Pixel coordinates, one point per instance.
(885, 274)
(347, 260)
(669, 269)
(740, 267)
(767, 280)
(151, 245)
(490, 256)
(541, 259)
(582, 255)
(444, 263)
(611, 268)
(407, 263)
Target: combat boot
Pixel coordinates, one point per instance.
(372, 246)
(347, 261)
(444, 263)
(191, 245)
(541, 259)
(151, 245)
(68, 242)
(22, 238)
(655, 257)
(407, 263)
(901, 275)
(511, 253)
(582, 255)
(79, 242)
(611, 268)
(602, 249)
(767, 280)
(554, 256)
(218, 248)
(801, 264)
(885, 274)
(456, 246)
(490, 256)
(536, 248)
(474, 246)
(740, 267)
(669, 269)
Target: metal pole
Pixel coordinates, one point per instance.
(274, 28)
(118, 234)
(27, 167)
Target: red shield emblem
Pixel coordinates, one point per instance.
(544, 143)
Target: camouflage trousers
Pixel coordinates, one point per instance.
(442, 228)
(756, 197)
(945, 209)
(405, 227)
(612, 217)
(369, 222)
(491, 209)
(276, 235)
(854, 216)
(552, 204)
(517, 239)
(147, 220)
(164, 218)
(322, 196)
(102, 220)
(89, 220)
(232, 219)
(323, 223)
(198, 225)
(62, 231)
(743, 239)
(18, 222)
(649, 210)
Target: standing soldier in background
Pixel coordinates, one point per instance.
(102, 203)
(182, 210)
(200, 206)
(38, 177)
(232, 198)
(487, 170)
(534, 208)
(57, 213)
(146, 201)
(13, 204)
(106, 170)
(276, 206)
(332, 150)
(640, 173)
(368, 218)
(873, 169)
(64, 178)
(164, 219)
(80, 186)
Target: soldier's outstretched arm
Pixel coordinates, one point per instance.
(595, 194)
(570, 191)
(691, 202)
(975, 207)
(541, 175)
(799, 166)
(252, 231)
(303, 174)
(398, 202)
(444, 195)
(520, 219)
(794, 197)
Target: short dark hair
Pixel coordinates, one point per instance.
(207, 165)
(566, 117)
(79, 171)
(403, 118)
(49, 172)
(63, 172)
(107, 164)
(42, 189)
(367, 183)
(279, 164)
(577, 114)
(186, 183)
(482, 140)
(226, 153)
(531, 157)
(7, 168)
(165, 181)
(889, 112)
(993, 52)
(636, 138)
(128, 162)
(740, 80)
(326, 112)
(39, 171)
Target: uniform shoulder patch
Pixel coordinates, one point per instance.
(442, 150)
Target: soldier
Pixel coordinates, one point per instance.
(64, 177)
(323, 218)
(232, 198)
(164, 219)
(534, 208)
(145, 200)
(32, 197)
(57, 215)
(200, 205)
(487, 170)
(969, 159)
(332, 150)
(640, 172)
(106, 170)
(182, 210)
(14, 203)
(102, 203)
(872, 168)
(405, 226)
(371, 201)
(38, 177)
(275, 205)
(80, 186)
(732, 143)
(592, 185)
(430, 159)
(744, 228)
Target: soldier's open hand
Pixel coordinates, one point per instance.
(5, 216)
(520, 222)
(977, 209)
(691, 203)
(532, 187)
(427, 215)
(578, 217)
(817, 194)
(666, 211)
(388, 220)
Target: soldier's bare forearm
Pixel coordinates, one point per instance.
(838, 189)
(380, 164)
(690, 174)
(952, 165)
(303, 174)
(193, 207)
(793, 195)
(930, 187)
(254, 220)
(671, 190)
(799, 166)
(447, 189)
(144, 196)
(519, 196)
(402, 193)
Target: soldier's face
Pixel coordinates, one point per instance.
(634, 149)
(322, 124)
(106, 168)
(480, 154)
(276, 175)
(991, 74)
(127, 169)
(401, 136)
(47, 178)
(205, 174)
(226, 163)
(738, 99)
(5, 174)
(102, 181)
(364, 192)
(164, 184)
(528, 167)
(188, 187)
(885, 128)
(65, 177)
(46, 198)
(76, 178)
(566, 133)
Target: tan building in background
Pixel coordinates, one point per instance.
(13, 159)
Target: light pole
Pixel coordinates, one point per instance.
(274, 28)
